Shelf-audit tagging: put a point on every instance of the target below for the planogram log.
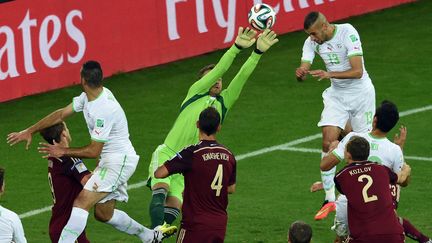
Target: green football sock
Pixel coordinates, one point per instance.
(156, 208)
(171, 214)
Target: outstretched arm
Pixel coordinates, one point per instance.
(266, 40)
(93, 150)
(245, 38)
(329, 161)
(51, 119)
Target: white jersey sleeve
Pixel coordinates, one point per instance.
(340, 149)
(102, 127)
(308, 51)
(78, 102)
(18, 230)
(352, 42)
(398, 160)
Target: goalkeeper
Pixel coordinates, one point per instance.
(207, 91)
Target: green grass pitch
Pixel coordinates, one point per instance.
(272, 187)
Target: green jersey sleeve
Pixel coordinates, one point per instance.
(231, 94)
(205, 83)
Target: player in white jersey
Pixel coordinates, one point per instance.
(11, 229)
(351, 96)
(382, 151)
(108, 128)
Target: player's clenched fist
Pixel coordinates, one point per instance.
(245, 37)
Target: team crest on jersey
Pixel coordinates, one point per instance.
(100, 122)
(353, 38)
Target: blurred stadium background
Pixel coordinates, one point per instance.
(272, 128)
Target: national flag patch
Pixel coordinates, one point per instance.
(80, 167)
(353, 38)
(100, 122)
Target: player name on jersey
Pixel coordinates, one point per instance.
(215, 156)
(360, 170)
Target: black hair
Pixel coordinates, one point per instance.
(204, 69)
(310, 19)
(91, 72)
(300, 232)
(209, 121)
(53, 133)
(387, 116)
(359, 148)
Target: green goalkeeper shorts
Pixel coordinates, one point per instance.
(175, 182)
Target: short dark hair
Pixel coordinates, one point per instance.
(300, 232)
(91, 72)
(209, 121)
(359, 148)
(310, 19)
(387, 116)
(52, 133)
(204, 69)
(2, 172)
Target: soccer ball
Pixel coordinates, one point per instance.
(262, 16)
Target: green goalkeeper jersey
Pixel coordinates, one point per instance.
(184, 131)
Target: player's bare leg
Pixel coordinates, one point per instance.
(157, 203)
(318, 185)
(106, 212)
(345, 131)
(330, 134)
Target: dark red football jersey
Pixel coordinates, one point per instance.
(64, 177)
(370, 203)
(208, 169)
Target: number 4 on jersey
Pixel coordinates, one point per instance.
(217, 180)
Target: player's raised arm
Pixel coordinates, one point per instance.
(245, 39)
(400, 138)
(51, 119)
(265, 40)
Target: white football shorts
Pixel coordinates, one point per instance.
(339, 108)
(111, 175)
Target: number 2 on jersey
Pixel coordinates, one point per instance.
(217, 180)
(369, 179)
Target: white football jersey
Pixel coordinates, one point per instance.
(106, 122)
(336, 53)
(11, 229)
(382, 151)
